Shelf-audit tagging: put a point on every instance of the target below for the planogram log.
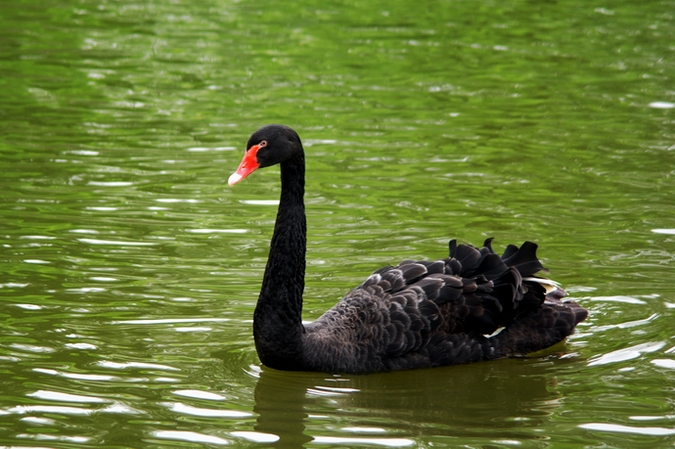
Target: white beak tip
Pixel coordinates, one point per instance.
(234, 178)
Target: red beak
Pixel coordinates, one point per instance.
(248, 165)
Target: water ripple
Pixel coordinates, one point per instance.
(604, 427)
(136, 365)
(347, 441)
(65, 397)
(115, 242)
(192, 437)
(200, 394)
(630, 353)
(185, 409)
(256, 437)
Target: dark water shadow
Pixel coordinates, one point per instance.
(503, 399)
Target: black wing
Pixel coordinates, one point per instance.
(429, 313)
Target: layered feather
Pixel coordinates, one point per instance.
(474, 305)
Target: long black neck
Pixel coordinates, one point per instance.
(277, 322)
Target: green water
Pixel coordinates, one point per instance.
(130, 270)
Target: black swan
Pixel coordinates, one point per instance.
(472, 306)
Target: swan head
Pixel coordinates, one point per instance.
(270, 145)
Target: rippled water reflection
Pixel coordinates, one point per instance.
(130, 271)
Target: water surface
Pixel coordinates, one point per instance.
(130, 270)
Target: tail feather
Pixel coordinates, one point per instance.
(524, 259)
(545, 327)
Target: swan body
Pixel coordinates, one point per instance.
(472, 306)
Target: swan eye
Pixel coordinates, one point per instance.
(263, 143)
